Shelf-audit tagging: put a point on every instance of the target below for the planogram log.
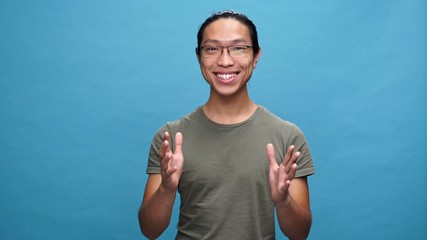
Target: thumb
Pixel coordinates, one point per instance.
(178, 142)
(271, 155)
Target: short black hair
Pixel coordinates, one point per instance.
(234, 15)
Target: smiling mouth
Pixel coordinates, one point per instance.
(227, 76)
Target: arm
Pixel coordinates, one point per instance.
(294, 214)
(156, 208)
(153, 217)
(290, 195)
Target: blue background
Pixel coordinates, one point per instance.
(84, 85)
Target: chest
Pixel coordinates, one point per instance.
(224, 160)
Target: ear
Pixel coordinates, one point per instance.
(197, 54)
(257, 57)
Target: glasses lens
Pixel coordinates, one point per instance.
(216, 51)
(211, 51)
(237, 51)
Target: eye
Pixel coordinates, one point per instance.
(238, 48)
(211, 49)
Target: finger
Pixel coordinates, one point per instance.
(169, 171)
(291, 159)
(292, 171)
(164, 147)
(168, 167)
(166, 159)
(166, 136)
(271, 155)
(289, 177)
(178, 142)
(285, 186)
(288, 154)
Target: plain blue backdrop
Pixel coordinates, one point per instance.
(84, 85)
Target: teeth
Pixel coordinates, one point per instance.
(226, 76)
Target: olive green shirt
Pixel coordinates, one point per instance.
(224, 187)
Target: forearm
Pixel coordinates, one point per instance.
(294, 220)
(154, 215)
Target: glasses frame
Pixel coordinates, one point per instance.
(222, 51)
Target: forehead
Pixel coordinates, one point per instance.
(226, 30)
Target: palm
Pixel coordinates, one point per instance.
(280, 176)
(171, 162)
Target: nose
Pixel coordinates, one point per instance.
(225, 59)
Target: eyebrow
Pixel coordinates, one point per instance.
(235, 41)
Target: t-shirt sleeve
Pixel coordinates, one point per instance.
(153, 164)
(305, 165)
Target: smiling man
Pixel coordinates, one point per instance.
(232, 161)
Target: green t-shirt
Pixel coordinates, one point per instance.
(224, 188)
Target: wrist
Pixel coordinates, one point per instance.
(284, 202)
(165, 190)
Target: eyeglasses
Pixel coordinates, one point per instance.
(216, 51)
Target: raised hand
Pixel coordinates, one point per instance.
(280, 176)
(171, 163)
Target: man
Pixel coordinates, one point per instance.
(232, 161)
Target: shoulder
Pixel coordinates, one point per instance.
(275, 121)
(180, 124)
(190, 118)
(280, 129)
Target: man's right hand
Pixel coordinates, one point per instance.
(160, 191)
(171, 163)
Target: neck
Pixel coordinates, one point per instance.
(229, 109)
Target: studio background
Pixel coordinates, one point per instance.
(84, 85)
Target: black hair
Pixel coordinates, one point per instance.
(234, 15)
